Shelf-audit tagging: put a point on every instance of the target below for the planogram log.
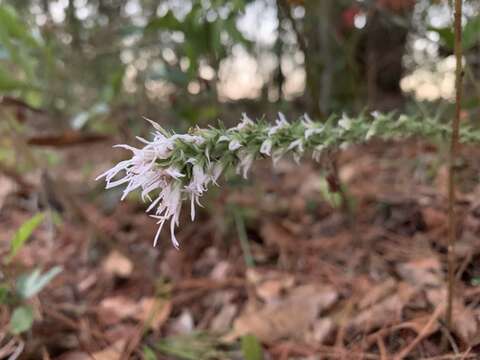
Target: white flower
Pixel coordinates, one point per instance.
(297, 144)
(246, 121)
(277, 155)
(345, 122)
(317, 152)
(223, 138)
(280, 123)
(234, 145)
(266, 147)
(246, 161)
(169, 206)
(311, 128)
(215, 171)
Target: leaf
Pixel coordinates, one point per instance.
(4, 293)
(30, 284)
(251, 348)
(196, 346)
(166, 22)
(21, 320)
(13, 26)
(8, 83)
(23, 234)
(148, 353)
(471, 33)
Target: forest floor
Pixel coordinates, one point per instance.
(274, 256)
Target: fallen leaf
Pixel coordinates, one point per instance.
(321, 330)
(154, 312)
(221, 270)
(289, 318)
(183, 324)
(6, 187)
(118, 265)
(377, 293)
(223, 320)
(269, 285)
(465, 323)
(384, 312)
(74, 355)
(112, 352)
(422, 272)
(115, 309)
(434, 218)
(148, 310)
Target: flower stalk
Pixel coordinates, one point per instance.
(171, 169)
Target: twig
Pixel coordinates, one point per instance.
(452, 160)
(424, 333)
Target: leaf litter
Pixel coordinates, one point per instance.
(320, 287)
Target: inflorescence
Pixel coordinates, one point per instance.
(172, 168)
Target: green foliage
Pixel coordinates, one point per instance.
(21, 320)
(251, 348)
(30, 284)
(18, 45)
(148, 354)
(196, 346)
(23, 234)
(470, 36)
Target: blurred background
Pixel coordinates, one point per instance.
(277, 267)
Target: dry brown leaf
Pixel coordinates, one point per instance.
(183, 324)
(115, 309)
(321, 330)
(385, 312)
(377, 293)
(434, 218)
(112, 352)
(269, 285)
(465, 323)
(221, 270)
(289, 318)
(148, 310)
(276, 235)
(6, 187)
(154, 312)
(419, 324)
(422, 272)
(117, 264)
(74, 355)
(223, 320)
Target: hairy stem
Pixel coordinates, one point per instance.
(452, 160)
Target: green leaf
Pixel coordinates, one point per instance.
(166, 22)
(8, 83)
(4, 293)
(21, 320)
(471, 33)
(30, 284)
(251, 348)
(148, 354)
(23, 233)
(11, 24)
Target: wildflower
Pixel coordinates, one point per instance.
(234, 145)
(280, 123)
(246, 161)
(345, 122)
(266, 147)
(172, 168)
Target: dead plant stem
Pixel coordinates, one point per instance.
(452, 160)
